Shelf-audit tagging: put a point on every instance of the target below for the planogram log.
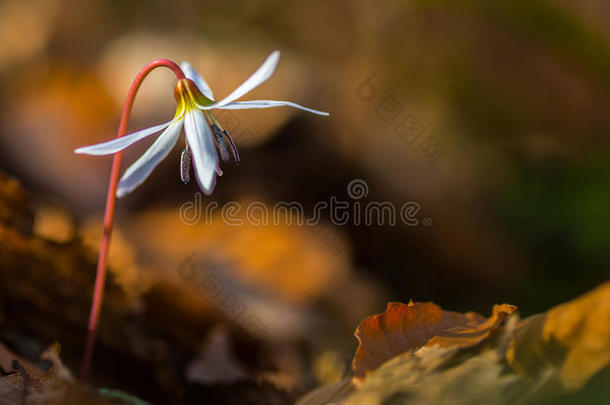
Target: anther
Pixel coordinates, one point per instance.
(233, 147)
(185, 165)
(220, 142)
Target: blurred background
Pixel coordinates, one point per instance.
(491, 116)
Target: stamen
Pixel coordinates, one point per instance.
(233, 147)
(219, 134)
(185, 165)
(220, 142)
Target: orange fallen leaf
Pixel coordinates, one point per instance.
(406, 327)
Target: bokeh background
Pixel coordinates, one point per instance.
(492, 116)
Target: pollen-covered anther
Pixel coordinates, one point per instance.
(233, 147)
(185, 165)
(220, 142)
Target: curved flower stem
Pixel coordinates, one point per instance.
(100, 278)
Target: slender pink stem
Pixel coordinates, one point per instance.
(100, 278)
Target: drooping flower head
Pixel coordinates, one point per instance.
(205, 137)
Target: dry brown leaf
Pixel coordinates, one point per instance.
(23, 383)
(7, 364)
(403, 328)
(562, 348)
(27, 384)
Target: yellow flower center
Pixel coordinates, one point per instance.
(188, 96)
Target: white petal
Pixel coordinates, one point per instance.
(118, 144)
(205, 157)
(241, 105)
(192, 74)
(263, 73)
(137, 173)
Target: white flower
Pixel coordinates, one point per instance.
(204, 134)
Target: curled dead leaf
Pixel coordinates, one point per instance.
(470, 335)
(406, 327)
(27, 384)
(553, 356)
